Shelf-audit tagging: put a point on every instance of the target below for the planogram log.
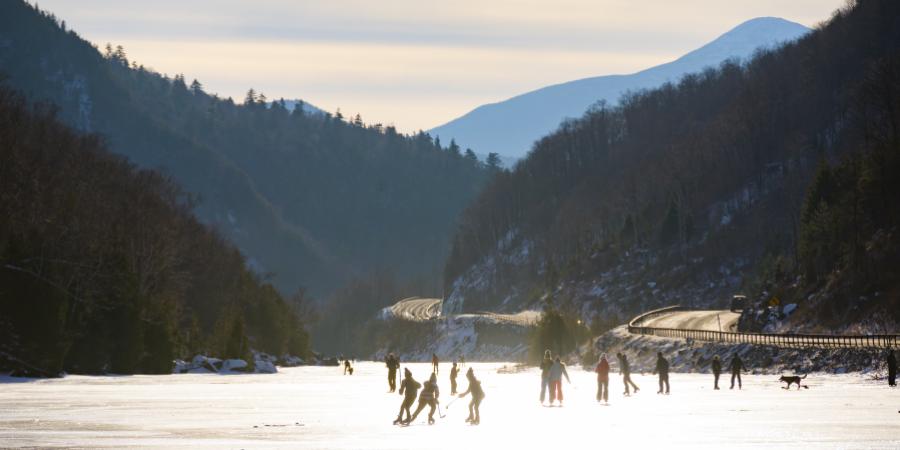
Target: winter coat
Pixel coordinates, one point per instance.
(430, 391)
(662, 366)
(602, 370)
(557, 370)
(624, 368)
(545, 368)
(736, 365)
(716, 366)
(409, 386)
(474, 389)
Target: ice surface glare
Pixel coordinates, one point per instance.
(353, 412)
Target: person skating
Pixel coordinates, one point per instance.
(546, 363)
(625, 370)
(462, 361)
(662, 368)
(454, 371)
(429, 396)
(602, 379)
(716, 370)
(477, 396)
(347, 367)
(736, 367)
(434, 363)
(557, 371)
(892, 368)
(408, 388)
(393, 364)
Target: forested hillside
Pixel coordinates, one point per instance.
(776, 178)
(103, 267)
(312, 199)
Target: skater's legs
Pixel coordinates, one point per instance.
(605, 390)
(716, 381)
(544, 385)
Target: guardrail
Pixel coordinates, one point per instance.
(779, 340)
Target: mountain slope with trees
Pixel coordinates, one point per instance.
(776, 178)
(313, 199)
(104, 269)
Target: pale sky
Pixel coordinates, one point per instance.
(412, 63)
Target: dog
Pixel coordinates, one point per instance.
(793, 379)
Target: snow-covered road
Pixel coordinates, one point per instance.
(696, 320)
(317, 407)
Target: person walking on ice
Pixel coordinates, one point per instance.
(602, 379)
(546, 363)
(662, 368)
(557, 370)
(347, 367)
(408, 388)
(625, 370)
(716, 370)
(892, 368)
(736, 367)
(477, 396)
(434, 363)
(393, 364)
(454, 371)
(429, 396)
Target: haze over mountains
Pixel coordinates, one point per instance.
(510, 127)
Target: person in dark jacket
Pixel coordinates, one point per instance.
(347, 367)
(662, 368)
(434, 363)
(546, 363)
(393, 364)
(408, 388)
(736, 367)
(454, 371)
(477, 396)
(716, 370)
(625, 370)
(892, 368)
(602, 379)
(429, 397)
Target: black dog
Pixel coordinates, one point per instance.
(793, 379)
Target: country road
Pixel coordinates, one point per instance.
(695, 320)
(419, 309)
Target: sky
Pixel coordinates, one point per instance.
(415, 64)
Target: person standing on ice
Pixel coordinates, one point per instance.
(393, 364)
(736, 367)
(477, 396)
(625, 370)
(662, 368)
(602, 379)
(409, 387)
(557, 370)
(892, 368)
(546, 363)
(717, 370)
(453, 373)
(434, 363)
(429, 396)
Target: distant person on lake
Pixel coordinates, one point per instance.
(546, 363)
(557, 370)
(892, 368)
(347, 367)
(434, 363)
(662, 368)
(477, 396)
(716, 370)
(429, 397)
(736, 367)
(602, 379)
(393, 365)
(454, 371)
(462, 361)
(409, 387)
(625, 370)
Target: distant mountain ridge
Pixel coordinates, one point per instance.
(510, 127)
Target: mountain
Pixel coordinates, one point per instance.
(312, 199)
(512, 126)
(776, 178)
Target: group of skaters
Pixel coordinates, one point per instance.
(430, 393)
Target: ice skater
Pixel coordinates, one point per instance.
(429, 396)
(434, 363)
(546, 363)
(408, 388)
(602, 379)
(892, 368)
(662, 368)
(716, 370)
(454, 371)
(625, 370)
(477, 396)
(557, 371)
(347, 367)
(736, 367)
(393, 364)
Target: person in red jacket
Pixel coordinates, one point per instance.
(602, 379)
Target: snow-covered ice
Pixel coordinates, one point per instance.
(317, 407)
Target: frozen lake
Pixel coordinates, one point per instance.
(317, 407)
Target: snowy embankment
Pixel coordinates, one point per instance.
(695, 356)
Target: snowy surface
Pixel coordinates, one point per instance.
(711, 320)
(317, 407)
